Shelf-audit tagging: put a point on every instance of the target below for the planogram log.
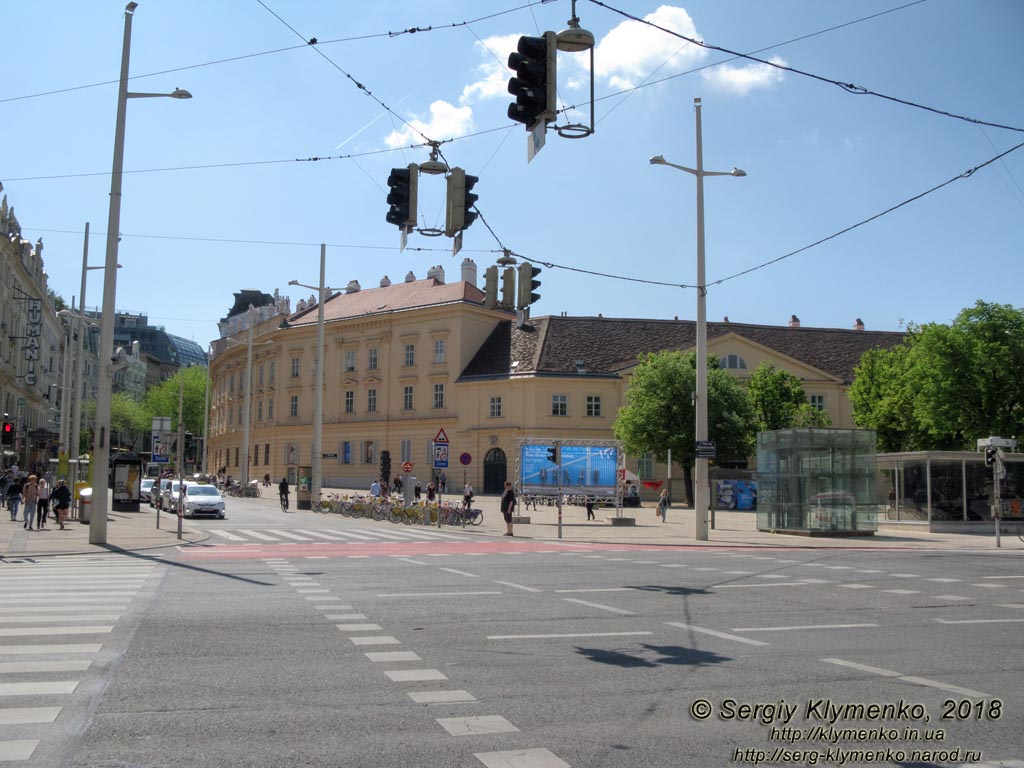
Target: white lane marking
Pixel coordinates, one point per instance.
(855, 586)
(289, 535)
(38, 689)
(797, 628)
(909, 678)
(226, 534)
(375, 640)
(63, 608)
(27, 631)
(333, 607)
(869, 570)
(990, 586)
(902, 591)
(598, 589)
(1009, 605)
(59, 617)
(715, 633)
(518, 586)
(979, 621)
(839, 567)
(256, 534)
(314, 598)
(28, 715)
(768, 575)
(1002, 577)
(18, 750)
(440, 697)
(951, 597)
(345, 617)
(816, 581)
(602, 557)
(18, 667)
(457, 572)
(384, 656)
(414, 675)
(599, 606)
(19, 650)
(738, 573)
(769, 584)
(944, 580)
(521, 758)
(311, 591)
(316, 557)
(356, 557)
(410, 560)
(567, 634)
(477, 725)
(321, 535)
(359, 627)
(436, 594)
(905, 575)
(674, 565)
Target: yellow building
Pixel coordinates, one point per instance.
(404, 361)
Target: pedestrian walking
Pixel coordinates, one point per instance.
(467, 494)
(663, 502)
(61, 501)
(417, 491)
(508, 506)
(590, 508)
(30, 498)
(14, 497)
(443, 483)
(266, 480)
(42, 503)
(431, 493)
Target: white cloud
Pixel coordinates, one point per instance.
(741, 80)
(446, 121)
(493, 74)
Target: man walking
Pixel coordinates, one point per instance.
(61, 501)
(508, 505)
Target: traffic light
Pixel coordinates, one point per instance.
(460, 200)
(527, 285)
(402, 197)
(491, 287)
(508, 288)
(535, 63)
(553, 454)
(990, 455)
(385, 467)
(7, 433)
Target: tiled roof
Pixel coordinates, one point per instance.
(553, 345)
(392, 298)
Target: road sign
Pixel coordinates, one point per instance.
(407, 466)
(464, 459)
(440, 455)
(160, 459)
(329, 455)
(705, 449)
(441, 437)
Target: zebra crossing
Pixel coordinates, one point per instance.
(236, 536)
(56, 616)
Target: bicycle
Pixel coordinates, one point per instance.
(284, 502)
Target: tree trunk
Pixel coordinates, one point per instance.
(688, 484)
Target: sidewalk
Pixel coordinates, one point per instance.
(132, 531)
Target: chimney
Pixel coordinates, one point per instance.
(410, 277)
(385, 281)
(439, 274)
(469, 271)
(353, 287)
(859, 325)
(725, 319)
(794, 321)
(311, 301)
(301, 305)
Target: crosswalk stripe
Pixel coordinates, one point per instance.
(288, 535)
(257, 535)
(226, 534)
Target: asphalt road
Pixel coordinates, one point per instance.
(308, 640)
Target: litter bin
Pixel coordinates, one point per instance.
(84, 505)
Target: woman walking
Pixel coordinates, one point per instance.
(30, 494)
(14, 497)
(43, 504)
(663, 503)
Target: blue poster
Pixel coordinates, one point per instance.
(584, 469)
(737, 494)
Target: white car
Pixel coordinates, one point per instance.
(169, 495)
(202, 499)
(146, 489)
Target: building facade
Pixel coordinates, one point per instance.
(404, 361)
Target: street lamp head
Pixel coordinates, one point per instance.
(130, 8)
(737, 172)
(293, 282)
(658, 160)
(180, 93)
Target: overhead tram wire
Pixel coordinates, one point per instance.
(855, 90)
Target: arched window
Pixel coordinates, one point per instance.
(735, 362)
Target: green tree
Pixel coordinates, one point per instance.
(660, 416)
(162, 400)
(776, 396)
(128, 422)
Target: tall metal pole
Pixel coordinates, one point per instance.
(101, 432)
(65, 385)
(206, 414)
(701, 493)
(247, 398)
(76, 375)
(318, 396)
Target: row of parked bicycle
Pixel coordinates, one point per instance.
(377, 508)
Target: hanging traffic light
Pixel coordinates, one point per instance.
(7, 433)
(491, 287)
(527, 285)
(459, 202)
(508, 288)
(535, 65)
(553, 454)
(402, 197)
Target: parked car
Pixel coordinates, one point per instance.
(146, 489)
(202, 499)
(156, 498)
(169, 495)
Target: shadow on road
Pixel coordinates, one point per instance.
(653, 656)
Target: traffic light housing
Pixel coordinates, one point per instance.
(535, 82)
(403, 183)
(385, 467)
(553, 454)
(990, 455)
(7, 433)
(491, 287)
(508, 288)
(527, 285)
(459, 202)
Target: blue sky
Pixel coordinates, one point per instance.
(236, 211)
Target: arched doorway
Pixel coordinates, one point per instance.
(495, 471)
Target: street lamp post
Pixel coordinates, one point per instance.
(247, 398)
(701, 488)
(101, 442)
(318, 381)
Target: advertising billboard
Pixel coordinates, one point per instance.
(581, 469)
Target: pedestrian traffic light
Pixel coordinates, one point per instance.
(7, 433)
(491, 287)
(553, 454)
(534, 84)
(990, 455)
(460, 200)
(527, 285)
(403, 183)
(508, 288)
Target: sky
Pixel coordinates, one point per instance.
(220, 193)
